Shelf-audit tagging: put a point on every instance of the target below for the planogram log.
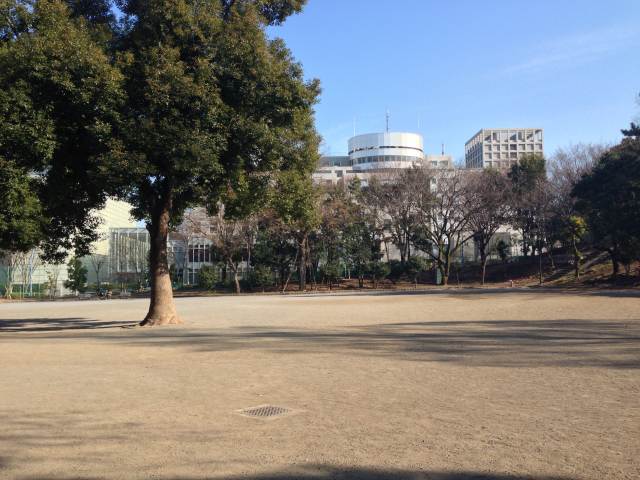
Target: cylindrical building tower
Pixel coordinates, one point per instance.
(385, 150)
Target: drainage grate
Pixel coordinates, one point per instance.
(264, 411)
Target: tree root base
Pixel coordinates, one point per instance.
(161, 321)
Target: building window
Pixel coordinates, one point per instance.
(513, 146)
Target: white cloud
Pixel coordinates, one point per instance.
(574, 50)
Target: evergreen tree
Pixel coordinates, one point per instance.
(77, 276)
(609, 197)
(189, 103)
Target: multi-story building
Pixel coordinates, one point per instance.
(502, 147)
(32, 276)
(376, 153)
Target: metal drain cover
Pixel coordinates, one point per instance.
(265, 411)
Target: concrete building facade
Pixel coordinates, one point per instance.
(502, 147)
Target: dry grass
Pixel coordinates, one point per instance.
(468, 384)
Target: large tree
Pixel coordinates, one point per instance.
(489, 191)
(566, 168)
(59, 97)
(443, 214)
(213, 107)
(528, 178)
(609, 197)
(188, 103)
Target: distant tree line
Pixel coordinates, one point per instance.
(584, 198)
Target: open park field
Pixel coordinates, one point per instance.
(442, 385)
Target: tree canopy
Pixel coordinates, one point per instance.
(188, 104)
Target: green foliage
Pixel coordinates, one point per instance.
(503, 250)
(274, 246)
(396, 270)
(183, 103)
(609, 198)
(59, 99)
(21, 217)
(77, 276)
(415, 266)
(332, 271)
(378, 271)
(525, 174)
(261, 277)
(529, 181)
(208, 277)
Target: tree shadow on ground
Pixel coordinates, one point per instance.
(57, 324)
(476, 291)
(501, 343)
(326, 472)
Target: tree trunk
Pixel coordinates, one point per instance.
(576, 258)
(302, 266)
(541, 280)
(615, 262)
(445, 277)
(236, 281)
(162, 309)
(446, 264)
(483, 260)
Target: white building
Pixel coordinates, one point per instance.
(502, 147)
(30, 274)
(374, 153)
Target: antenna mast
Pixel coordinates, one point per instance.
(387, 120)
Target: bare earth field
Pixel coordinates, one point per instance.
(461, 384)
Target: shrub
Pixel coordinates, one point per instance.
(378, 271)
(261, 276)
(208, 277)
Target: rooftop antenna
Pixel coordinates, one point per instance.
(443, 149)
(387, 120)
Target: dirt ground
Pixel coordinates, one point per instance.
(465, 384)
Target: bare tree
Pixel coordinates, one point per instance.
(53, 273)
(23, 271)
(394, 200)
(230, 238)
(97, 262)
(443, 214)
(567, 166)
(10, 262)
(489, 192)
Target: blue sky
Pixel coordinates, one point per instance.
(445, 69)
